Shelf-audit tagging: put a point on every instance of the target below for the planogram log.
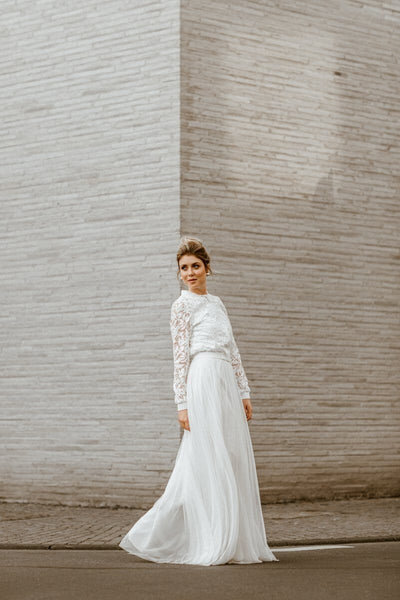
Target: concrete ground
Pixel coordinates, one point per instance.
(366, 571)
(319, 522)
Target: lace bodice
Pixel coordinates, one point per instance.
(198, 323)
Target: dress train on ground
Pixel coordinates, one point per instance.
(210, 512)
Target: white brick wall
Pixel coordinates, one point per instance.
(285, 161)
(89, 159)
(290, 154)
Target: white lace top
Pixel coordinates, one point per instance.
(200, 322)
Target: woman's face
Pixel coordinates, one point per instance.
(193, 273)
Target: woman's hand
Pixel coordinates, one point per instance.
(183, 418)
(248, 408)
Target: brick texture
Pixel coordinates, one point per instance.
(271, 130)
(290, 172)
(89, 157)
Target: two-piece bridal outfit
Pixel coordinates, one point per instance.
(210, 511)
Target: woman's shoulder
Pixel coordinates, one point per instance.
(188, 301)
(218, 300)
(186, 296)
(183, 302)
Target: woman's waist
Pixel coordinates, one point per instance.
(218, 354)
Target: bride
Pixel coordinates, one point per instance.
(210, 511)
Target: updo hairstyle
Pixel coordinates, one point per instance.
(193, 245)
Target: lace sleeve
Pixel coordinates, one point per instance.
(239, 371)
(180, 333)
(236, 362)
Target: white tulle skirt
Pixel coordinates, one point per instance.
(210, 511)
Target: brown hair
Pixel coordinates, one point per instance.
(193, 245)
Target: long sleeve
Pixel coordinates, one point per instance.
(180, 333)
(240, 374)
(236, 362)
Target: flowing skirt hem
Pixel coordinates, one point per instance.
(210, 512)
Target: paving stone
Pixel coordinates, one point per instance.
(26, 525)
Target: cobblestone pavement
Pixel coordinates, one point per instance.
(24, 525)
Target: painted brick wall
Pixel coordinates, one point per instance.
(89, 160)
(286, 163)
(290, 173)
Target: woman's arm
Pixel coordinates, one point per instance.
(239, 371)
(236, 362)
(180, 333)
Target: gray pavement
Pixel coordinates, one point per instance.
(367, 571)
(41, 526)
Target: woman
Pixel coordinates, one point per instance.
(210, 511)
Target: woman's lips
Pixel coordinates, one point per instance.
(191, 280)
